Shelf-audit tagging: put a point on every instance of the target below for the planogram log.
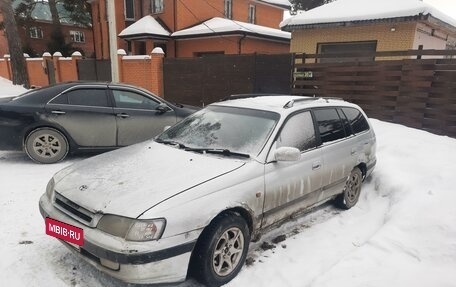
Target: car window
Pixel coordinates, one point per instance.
(356, 119)
(298, 132)
(132, 100)
(60, 100)
(88, 97)
(346, 124)
(329, 125)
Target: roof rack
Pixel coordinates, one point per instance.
(246, 96)
(291, 103)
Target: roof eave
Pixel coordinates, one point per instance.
(232, 33)
(143, 36)
(291, 27)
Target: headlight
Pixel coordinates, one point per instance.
(132, 229)
(50, 189)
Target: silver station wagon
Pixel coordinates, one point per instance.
(189, 202)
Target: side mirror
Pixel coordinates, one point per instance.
(162, 108)
(287, 154)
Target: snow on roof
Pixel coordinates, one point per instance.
(222, 26)
(359, 10)
(145, 26)
(282, 3)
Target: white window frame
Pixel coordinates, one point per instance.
(125, 9)
(36, 32)
(156, 6)
(229, 9)
(252, 14)
(77, 36)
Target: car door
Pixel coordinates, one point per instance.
(139, 116)
(86, 115)
(338, 150)
(292, 186)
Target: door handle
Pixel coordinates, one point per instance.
(58, 112)
(316, 165)
(122, 115)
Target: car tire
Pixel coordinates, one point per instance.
(46, 145)
(221, 251)
(349, 197)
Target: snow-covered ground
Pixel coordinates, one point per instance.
(401, 233)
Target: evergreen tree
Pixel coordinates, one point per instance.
(307, 4)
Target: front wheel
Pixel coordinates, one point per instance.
(352, 190)
(221, 252)
(46, 145)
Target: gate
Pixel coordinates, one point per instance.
(94, 70)
(201, 81)
(50, 71)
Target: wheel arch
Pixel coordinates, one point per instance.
(363, 167)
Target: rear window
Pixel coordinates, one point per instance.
(88, 97)
(356, 119)
(329, 125)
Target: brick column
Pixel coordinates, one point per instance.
(46, 56)
(74, 61)
(8, 66)
(56, 59)
(120, 54)
(156, 62)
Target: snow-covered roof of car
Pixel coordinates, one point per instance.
(279, 103)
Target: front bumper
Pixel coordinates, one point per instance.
(162, 261)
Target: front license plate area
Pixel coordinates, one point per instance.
(73, 235)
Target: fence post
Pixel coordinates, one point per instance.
(56, 59)
(74, 61)
(8, 66)
(46, 56)
(120, 54)
(156, 61)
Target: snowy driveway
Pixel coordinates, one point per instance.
(402, 232)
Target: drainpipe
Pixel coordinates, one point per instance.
(175, 27)
(240, 43)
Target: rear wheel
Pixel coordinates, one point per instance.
(46, 145)
(221, 252)
(352, 190)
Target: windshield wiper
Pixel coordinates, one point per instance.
(168, 142)
(221, 151)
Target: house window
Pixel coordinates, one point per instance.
(129, 10)
(228, 9)
(36, 33)
(77, 36)
(347, 47)
(252, 12)
(156, 6)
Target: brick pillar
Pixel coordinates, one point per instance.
(46, 56)
(120, 54)
(7, 58)
(156, 61)
(74, 62)
(56, 59)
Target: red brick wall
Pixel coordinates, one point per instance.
(4, 69)
(36, 74)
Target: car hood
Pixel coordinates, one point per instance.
(131, 180)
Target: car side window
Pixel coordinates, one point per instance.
(356, 120)
(60, 100)
(329, 125)
(298, 132)
(88, 97)
(131, 100)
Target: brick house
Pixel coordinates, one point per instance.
(36, 37)
(192, 28)
(370, 25)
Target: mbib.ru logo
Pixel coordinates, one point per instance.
(64, 231)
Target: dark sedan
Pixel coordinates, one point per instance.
(51, 122)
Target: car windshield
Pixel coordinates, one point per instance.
(227, 129)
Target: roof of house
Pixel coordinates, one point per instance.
(343, 11)
(146, 26)
(285, 4)
(221, 26)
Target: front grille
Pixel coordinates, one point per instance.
(74, 210)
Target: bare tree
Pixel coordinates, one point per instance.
(18, 65)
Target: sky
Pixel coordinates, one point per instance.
(446, 6)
